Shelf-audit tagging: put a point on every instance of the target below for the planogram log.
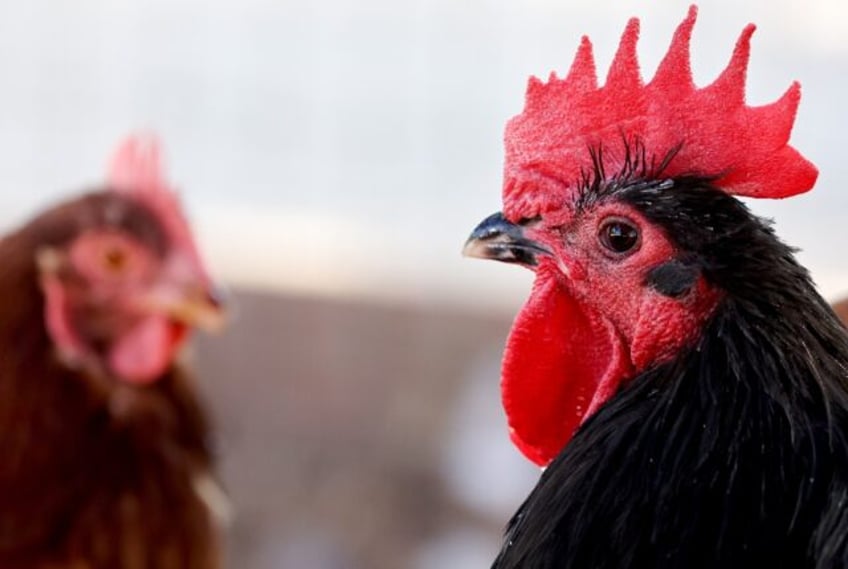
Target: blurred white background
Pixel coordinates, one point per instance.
(343, 150)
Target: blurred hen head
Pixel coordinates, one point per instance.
(120, 273)
(615, 196)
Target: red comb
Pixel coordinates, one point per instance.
(136, 169)
(744, 148)
(137, 166)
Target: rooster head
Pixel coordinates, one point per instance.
(604, 189)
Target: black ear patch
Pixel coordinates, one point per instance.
(673, 279)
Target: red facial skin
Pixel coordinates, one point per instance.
(98, 307)
(590, 324)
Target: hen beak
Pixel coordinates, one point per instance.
(202, 309)
(197, 307)
(500, 240)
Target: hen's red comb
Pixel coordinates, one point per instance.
(136, 166)
(745, 148)
(136, 169)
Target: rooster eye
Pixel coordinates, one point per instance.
(619, 235)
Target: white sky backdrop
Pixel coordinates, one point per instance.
(341, 146)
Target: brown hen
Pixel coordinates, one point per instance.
(105, 451)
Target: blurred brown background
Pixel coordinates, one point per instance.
(361, 435)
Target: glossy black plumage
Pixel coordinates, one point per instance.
(731, 454)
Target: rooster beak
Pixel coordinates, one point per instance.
(500, 240)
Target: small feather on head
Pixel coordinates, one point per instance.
(710, 131)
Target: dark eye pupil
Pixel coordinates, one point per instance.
(115, 259)
(619, 236)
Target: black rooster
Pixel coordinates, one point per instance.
(674, 367)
